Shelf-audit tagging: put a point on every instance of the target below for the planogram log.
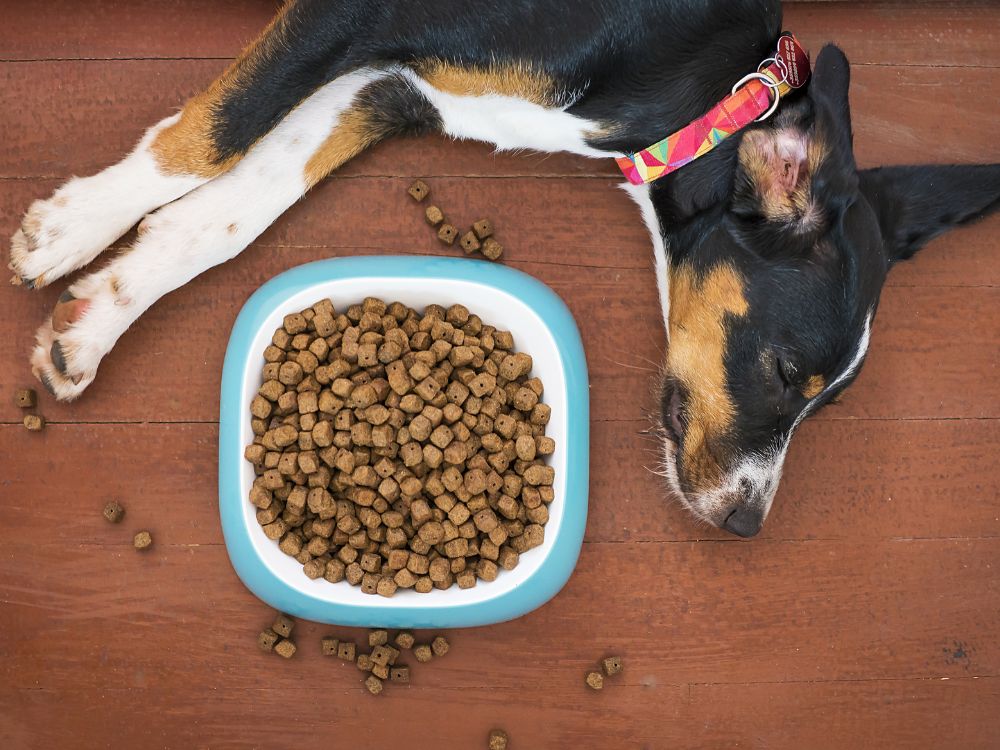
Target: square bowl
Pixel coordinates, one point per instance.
(511, 300)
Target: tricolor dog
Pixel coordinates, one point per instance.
(770, 247)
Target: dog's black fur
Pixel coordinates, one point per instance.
(777, 246)
(643, 69)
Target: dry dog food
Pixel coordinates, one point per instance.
(492, 249)
(34, 422)
(283, 625)
(419, 190)
(285, 649)
(447, 234)
(396, 450)
(374, 684)
(498, 739)
(433, 215)
(329, 645)
(595, 680)
(483, 228)
(142, 540)
(25, 398)
(479, 238)
(114, 512)
(469, 242)
(612, 665)
(267, 639)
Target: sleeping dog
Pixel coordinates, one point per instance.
(770, 250)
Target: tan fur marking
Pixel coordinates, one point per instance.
(352, 135)
(814, 386)
(517, 80)
(186, 147)
(698, 307)
(758, 155)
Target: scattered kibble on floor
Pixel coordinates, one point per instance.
(498, 739)
(374, 684)
(330, 645)
(25, 398)
(142, 540)
(283, 625)
(478, 238)
(267, 639)
(114, 512)
(285, 649)
(612, 665)
(34, 422)
(595, 680)
(419, 190)
(433, 215)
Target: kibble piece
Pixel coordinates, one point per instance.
(483, 228)
(374, 684)
(365, 662)
(447, 234)
(612, 665)
(492, 249)
(346, 651)
(595, 680)
(329, 645)
(440, 646)
(34, 422)
(469, 243)
(418, 190)
(114, 512)
(423, 653)
(142, 540)
(433, 215)
(267, 639)
(378, 638)
(25, 398)
(404, 639)
(283, 625)
(399, 674)
(498, 739)
(285, 649)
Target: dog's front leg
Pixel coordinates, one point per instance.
(209, 225)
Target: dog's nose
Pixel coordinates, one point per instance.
(744, 522)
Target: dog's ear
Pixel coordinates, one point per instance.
(915, 204)
(829, 90)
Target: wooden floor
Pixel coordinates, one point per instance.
(865, 615)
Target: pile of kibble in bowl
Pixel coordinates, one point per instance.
(399, 450)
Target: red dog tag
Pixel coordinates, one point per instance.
(795, 59)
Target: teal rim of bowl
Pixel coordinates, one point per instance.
(555, 570)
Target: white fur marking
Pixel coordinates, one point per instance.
(640, 194)
(87, 214)
(186, 237)
(508, 122)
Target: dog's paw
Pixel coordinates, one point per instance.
(84, 326)
(65, 232)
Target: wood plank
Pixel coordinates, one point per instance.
(901, 115)
(581, 222)
(868, 479)
(904, 715)
(93, 616)
(925, 361)
(929, 33)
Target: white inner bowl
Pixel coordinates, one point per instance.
(496, 308)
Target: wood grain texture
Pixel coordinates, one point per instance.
(945, 33)
(901, 115)
(863, 616)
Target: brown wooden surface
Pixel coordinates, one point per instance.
(865, 615)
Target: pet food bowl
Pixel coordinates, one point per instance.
(508, 299)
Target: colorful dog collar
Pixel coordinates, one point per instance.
(755, 97)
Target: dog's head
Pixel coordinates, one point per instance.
(773, 288)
